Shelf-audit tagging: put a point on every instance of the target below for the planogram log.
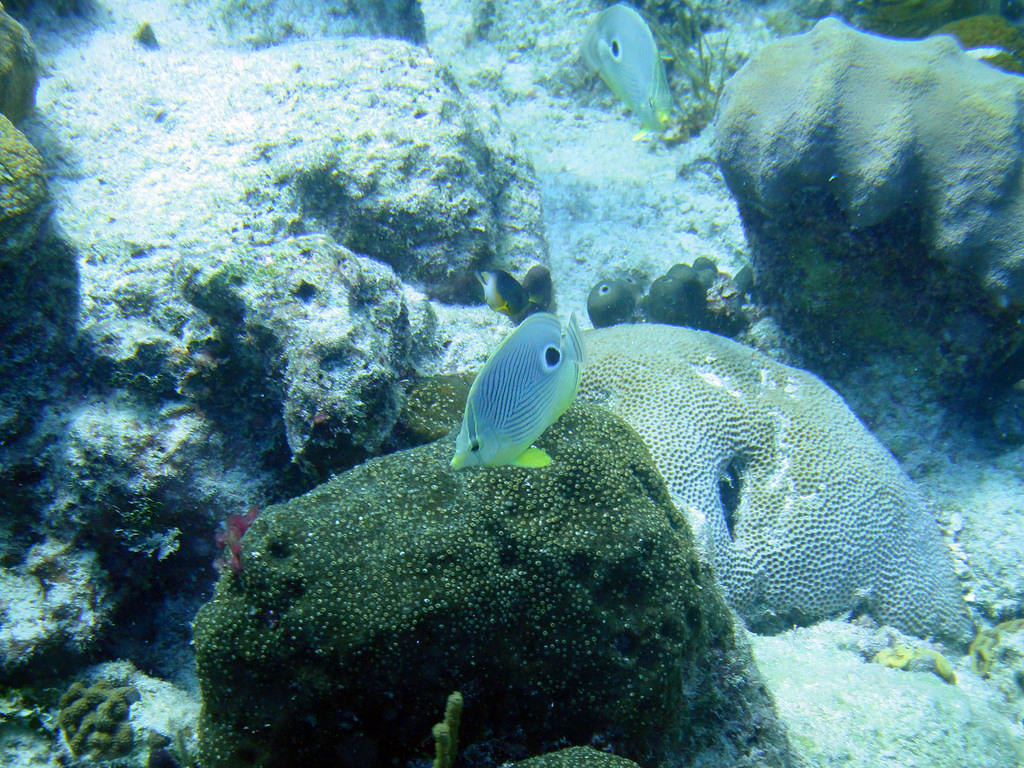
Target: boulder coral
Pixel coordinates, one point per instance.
(566, 604)
(805, 514)
(23, 193)
(881, 188)
(19, 69)
(879, 124)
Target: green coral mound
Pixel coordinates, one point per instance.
(94, 720)
(22, 190)
(563, 603)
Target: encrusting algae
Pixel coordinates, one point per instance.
(901, 656)
(983, 646)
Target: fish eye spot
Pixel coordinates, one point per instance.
(552, 356)
(615, 48)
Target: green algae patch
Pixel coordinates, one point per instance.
(564, 603)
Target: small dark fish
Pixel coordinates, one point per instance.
(502, 292)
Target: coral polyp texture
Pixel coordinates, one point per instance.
(878, 124)
(805, 514)
(562, 603)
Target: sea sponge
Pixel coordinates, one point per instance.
(805, 514)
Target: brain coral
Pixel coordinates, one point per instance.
(805, 514)
(562, 603)
(878, 124)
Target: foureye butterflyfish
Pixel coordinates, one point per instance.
(526, 384)
(619, 46)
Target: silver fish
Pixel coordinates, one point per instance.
(619, 46)
(525, 385)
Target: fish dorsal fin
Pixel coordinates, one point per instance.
(532, 457)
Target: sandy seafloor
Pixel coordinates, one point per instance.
(608, 202)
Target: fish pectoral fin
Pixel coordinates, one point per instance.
(532, 457)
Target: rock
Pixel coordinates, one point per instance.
(990, 30)
(146, 718)
(52, 605)
(313, 330)
(880, 186)
(342, 327)
(576, 757)
(143, 479)
(562, 603)
(435, 192)
(983, 499)
(867, 710)
(19, 69)
(914, 18)
(261, 23)
(805, 515)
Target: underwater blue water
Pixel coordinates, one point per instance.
(254, 255)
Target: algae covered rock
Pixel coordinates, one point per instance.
(989, 30)
(22, 191)
(914, 18)
(805, 514)
(325, 330)
(52, 605)
(562, 603)
(19, 69)
(576, 757)
(881, 188)
(371, 179)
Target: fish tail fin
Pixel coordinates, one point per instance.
(532, 457)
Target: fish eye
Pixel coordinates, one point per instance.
(615, 48)
(552, 356)
(474, 446)
(604, 288)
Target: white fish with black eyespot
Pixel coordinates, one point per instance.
(619, 46)
(529, 381)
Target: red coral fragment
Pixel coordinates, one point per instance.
(229, 539)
